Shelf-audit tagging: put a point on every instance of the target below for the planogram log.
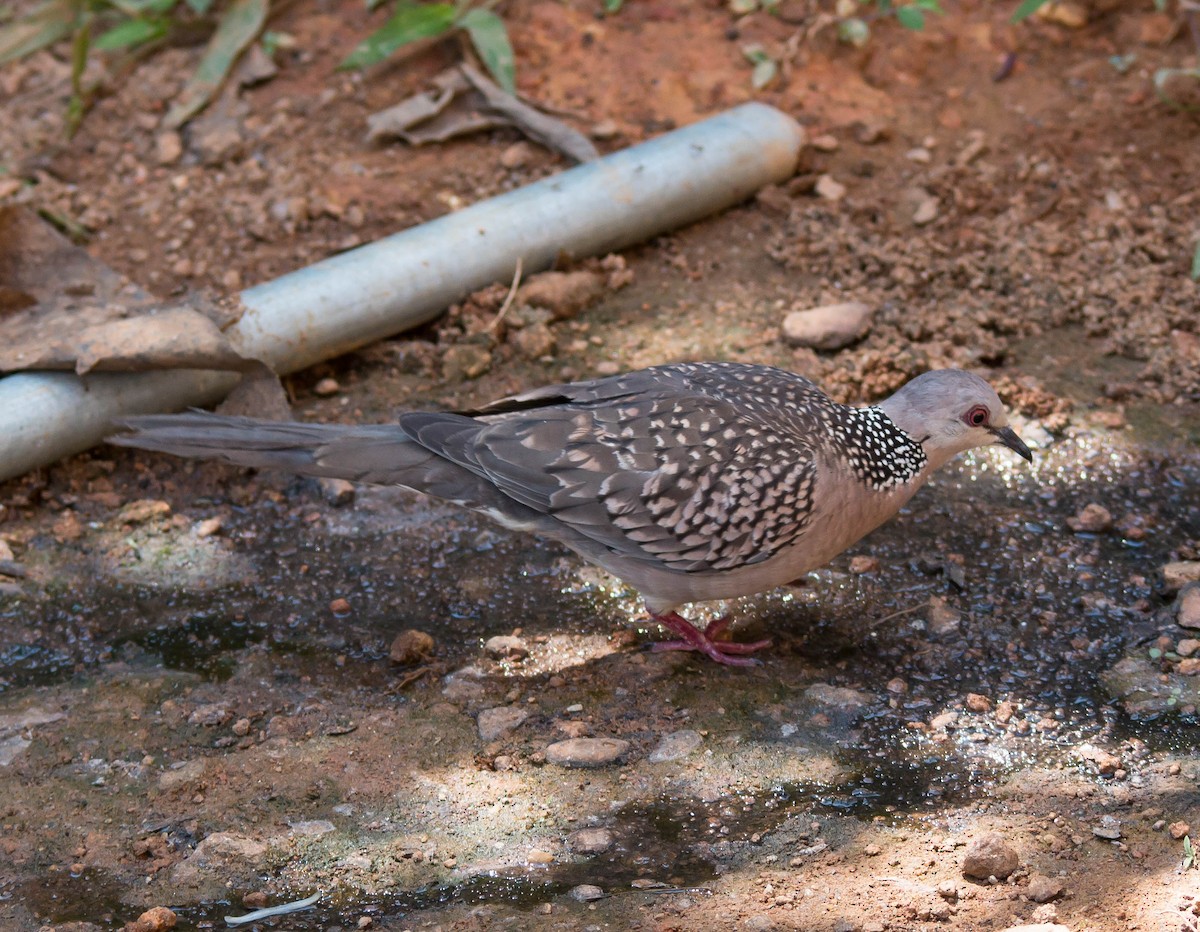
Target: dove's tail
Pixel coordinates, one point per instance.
(382, 453)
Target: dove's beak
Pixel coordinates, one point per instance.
(1008, 437)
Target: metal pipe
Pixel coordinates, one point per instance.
(375, 291)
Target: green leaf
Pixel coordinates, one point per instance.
(1027, 9)
(490, 38)
(135, 8)
(200, 7)
(1196, 264)
(855, 31)
(911, 18)
(741, 7)
(408, 24)
(931, 5)
(129, 33)
(765, 67)
(613, 6)
(43, 27)
(239, 24)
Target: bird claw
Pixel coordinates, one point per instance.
(706, 641)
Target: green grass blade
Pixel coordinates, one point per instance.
(911, 18)
(130, 33)
(1027, 9)
(408, 24)
(490, 38)
(238, 26)
(1196, 264)
(41, 28)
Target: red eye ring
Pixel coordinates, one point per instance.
(978, 416)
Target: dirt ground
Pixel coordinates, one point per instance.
(202, 702)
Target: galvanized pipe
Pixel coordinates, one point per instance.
(406, 279)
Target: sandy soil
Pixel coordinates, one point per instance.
(198, 707)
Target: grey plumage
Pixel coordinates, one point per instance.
(691, 482)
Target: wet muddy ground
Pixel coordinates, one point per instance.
(199, 705)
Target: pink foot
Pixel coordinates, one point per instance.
(706, 641)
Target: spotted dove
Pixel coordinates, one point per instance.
(691, 482)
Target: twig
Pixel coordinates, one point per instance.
(494, 327)
(903, 611)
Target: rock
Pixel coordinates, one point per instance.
(1091, 519)
(464, 361)
(1179, 829)
(533, 342)
(1109, 828)
(215, 136)
(183, 774)
(586, 752)
(338, 493)
(1064, 13)
(564, 294)
(585, 893)
(942, 618)
(923, 206)
(1037, 927)
(339, 607)
(518, 155)
(838, 698)
(1043, 889)
(217, 857)
(676, 745)
(209, 526)
(1187, 647)
(870, 132)
(862, 564)
(989, 855)
(312, 827)
(463, 685)
(506, 647)
(140, 512)
(977, 703)
(168, 147)
(327, 387)
(1177, 575)
(538, 856)
(920, 154)
(825, 143)
(1106, 764)
(1187, 606)
(830, 327)
(210, 715)
(830, 189)
(496, 723)
(411, 646)
(152, 920)
(1189, 666)
(590, 841)
(759, 923)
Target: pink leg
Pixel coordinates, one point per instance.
(692, 638)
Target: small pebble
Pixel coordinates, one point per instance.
(326, 387)
(1187, 606)
(1043, 889)
(1091, 519)
(676, 745)
(586, 752)
(862, 564)
(538, 856)
(585, 893)
(506, 647)
(411, 646)
(829, 188)
(989, 855)
(1179, 829)
(825, 143)
(590, 841)
(496, 723)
